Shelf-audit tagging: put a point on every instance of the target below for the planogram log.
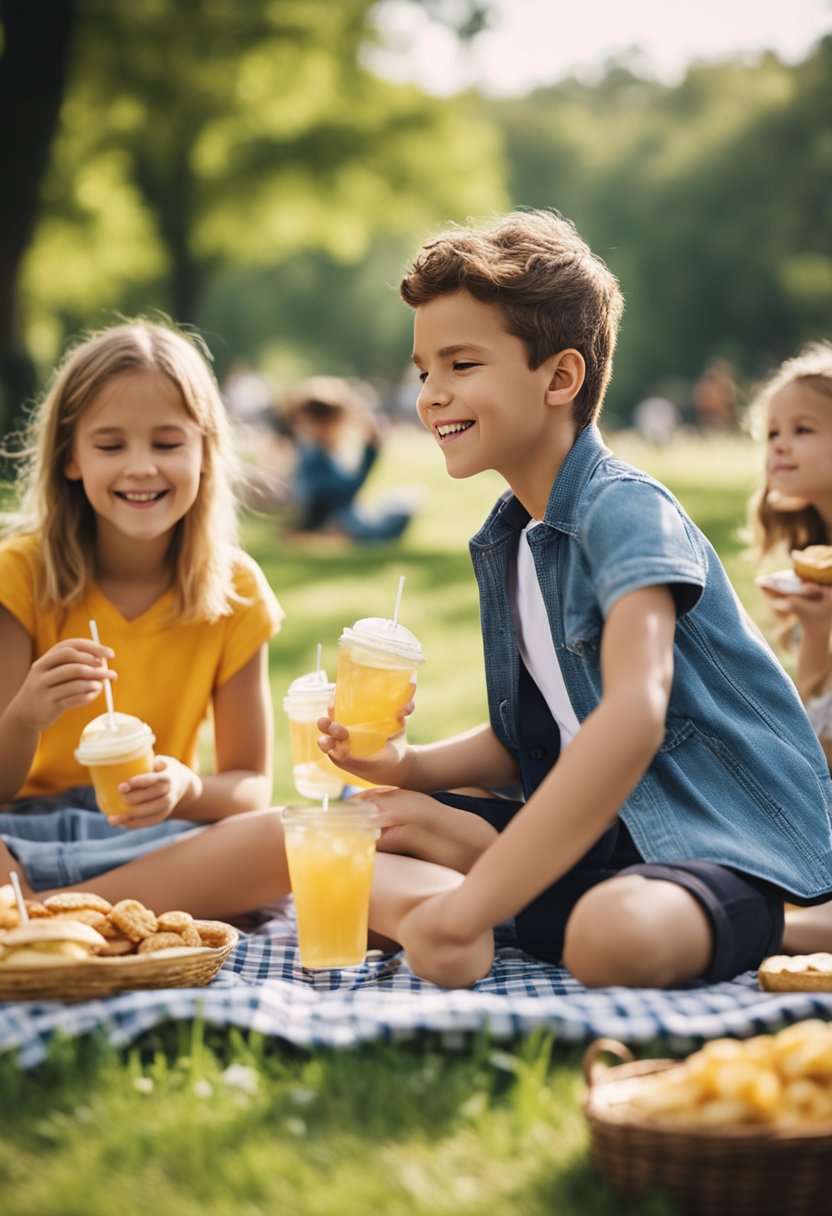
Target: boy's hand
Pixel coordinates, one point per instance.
(383, 767)
(154, 796)
(437, 949)
(419, 826)
(70, 674)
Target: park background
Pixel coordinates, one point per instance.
(249, 170)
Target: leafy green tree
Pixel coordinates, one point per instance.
(203, 134)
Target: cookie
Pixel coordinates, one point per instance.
(74, 901)
(212, 933)
(159, 941)
(115, 947)
(796, 973)
(813, 563)
(134, 919)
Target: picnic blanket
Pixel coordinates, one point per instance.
(262, 987)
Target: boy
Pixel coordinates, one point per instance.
(674, 793)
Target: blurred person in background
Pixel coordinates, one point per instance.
(339, 439)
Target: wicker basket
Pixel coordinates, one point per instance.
(738, 1171)
(179, 967)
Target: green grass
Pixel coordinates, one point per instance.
(417, 1128)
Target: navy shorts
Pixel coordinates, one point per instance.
(745, 913)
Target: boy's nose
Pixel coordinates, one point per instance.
(432, 395)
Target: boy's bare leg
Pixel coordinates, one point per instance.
(637, 932)
(808, 930)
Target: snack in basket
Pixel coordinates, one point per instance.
(796, 973)
(76, 925)
(783, 1080)
(42, 943)
(814, 563)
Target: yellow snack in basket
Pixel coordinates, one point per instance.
(796, 973)
(44, 943)
(783, 1079)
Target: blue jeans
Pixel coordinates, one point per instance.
(64, 840)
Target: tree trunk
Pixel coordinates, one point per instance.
(33, 69)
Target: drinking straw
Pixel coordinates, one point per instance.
(108, 692)
(398, 601)
(19, 900)
(318, 672)
(325, 803)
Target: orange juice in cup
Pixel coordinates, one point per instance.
(307, 699)
(115, 747)
(331, 854)
(377, 663)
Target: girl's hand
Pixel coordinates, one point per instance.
(153, 797)
(812, 607)
(419, 826)
(70, 674)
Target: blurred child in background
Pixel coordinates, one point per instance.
(339, 440)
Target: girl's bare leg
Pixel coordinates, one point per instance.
(808, 930)
(217, 872)
(239, 864)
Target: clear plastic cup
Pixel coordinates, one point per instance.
(377, 662)
(331, 854)
(115, 748)
(307, 699)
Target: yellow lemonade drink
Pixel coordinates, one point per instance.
(307, 699)
(331, 854)
(377, 663)
(115, 748)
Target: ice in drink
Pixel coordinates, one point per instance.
(331, 854)
(115, 747)
(307, 699)
(377, 663)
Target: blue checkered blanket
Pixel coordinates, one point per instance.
(262, 987)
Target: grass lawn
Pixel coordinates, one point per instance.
(196, 1121)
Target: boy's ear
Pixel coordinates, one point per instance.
(568, 372)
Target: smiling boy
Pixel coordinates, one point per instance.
(673, 791)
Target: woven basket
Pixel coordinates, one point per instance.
(179, 967)
(735, 1171)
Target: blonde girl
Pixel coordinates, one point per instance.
(793, 509)
(127, 516)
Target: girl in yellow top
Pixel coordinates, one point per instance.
(127, 516)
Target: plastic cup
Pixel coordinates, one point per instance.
(377, 663)
(331, 853)
(307, 699)
(115, 748)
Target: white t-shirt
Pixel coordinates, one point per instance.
(534, 639)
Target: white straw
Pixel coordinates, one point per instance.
(398, 601)
(318, 660)
(18, 895)
(325, 802)
(108, 692)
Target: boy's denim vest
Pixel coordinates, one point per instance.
(740, 777)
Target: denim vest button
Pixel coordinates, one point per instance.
(537, 753)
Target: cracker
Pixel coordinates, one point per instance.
(116, 946)
(174, 922)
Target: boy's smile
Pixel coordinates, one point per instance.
(484, 405)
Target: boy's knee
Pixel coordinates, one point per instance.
(615, 938)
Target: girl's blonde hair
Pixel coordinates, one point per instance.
(57, 510)
(770, 527)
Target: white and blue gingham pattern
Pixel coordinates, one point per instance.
(262, 987)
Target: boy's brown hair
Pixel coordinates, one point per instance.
(552, 290)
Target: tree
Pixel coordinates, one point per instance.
(37, 36)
